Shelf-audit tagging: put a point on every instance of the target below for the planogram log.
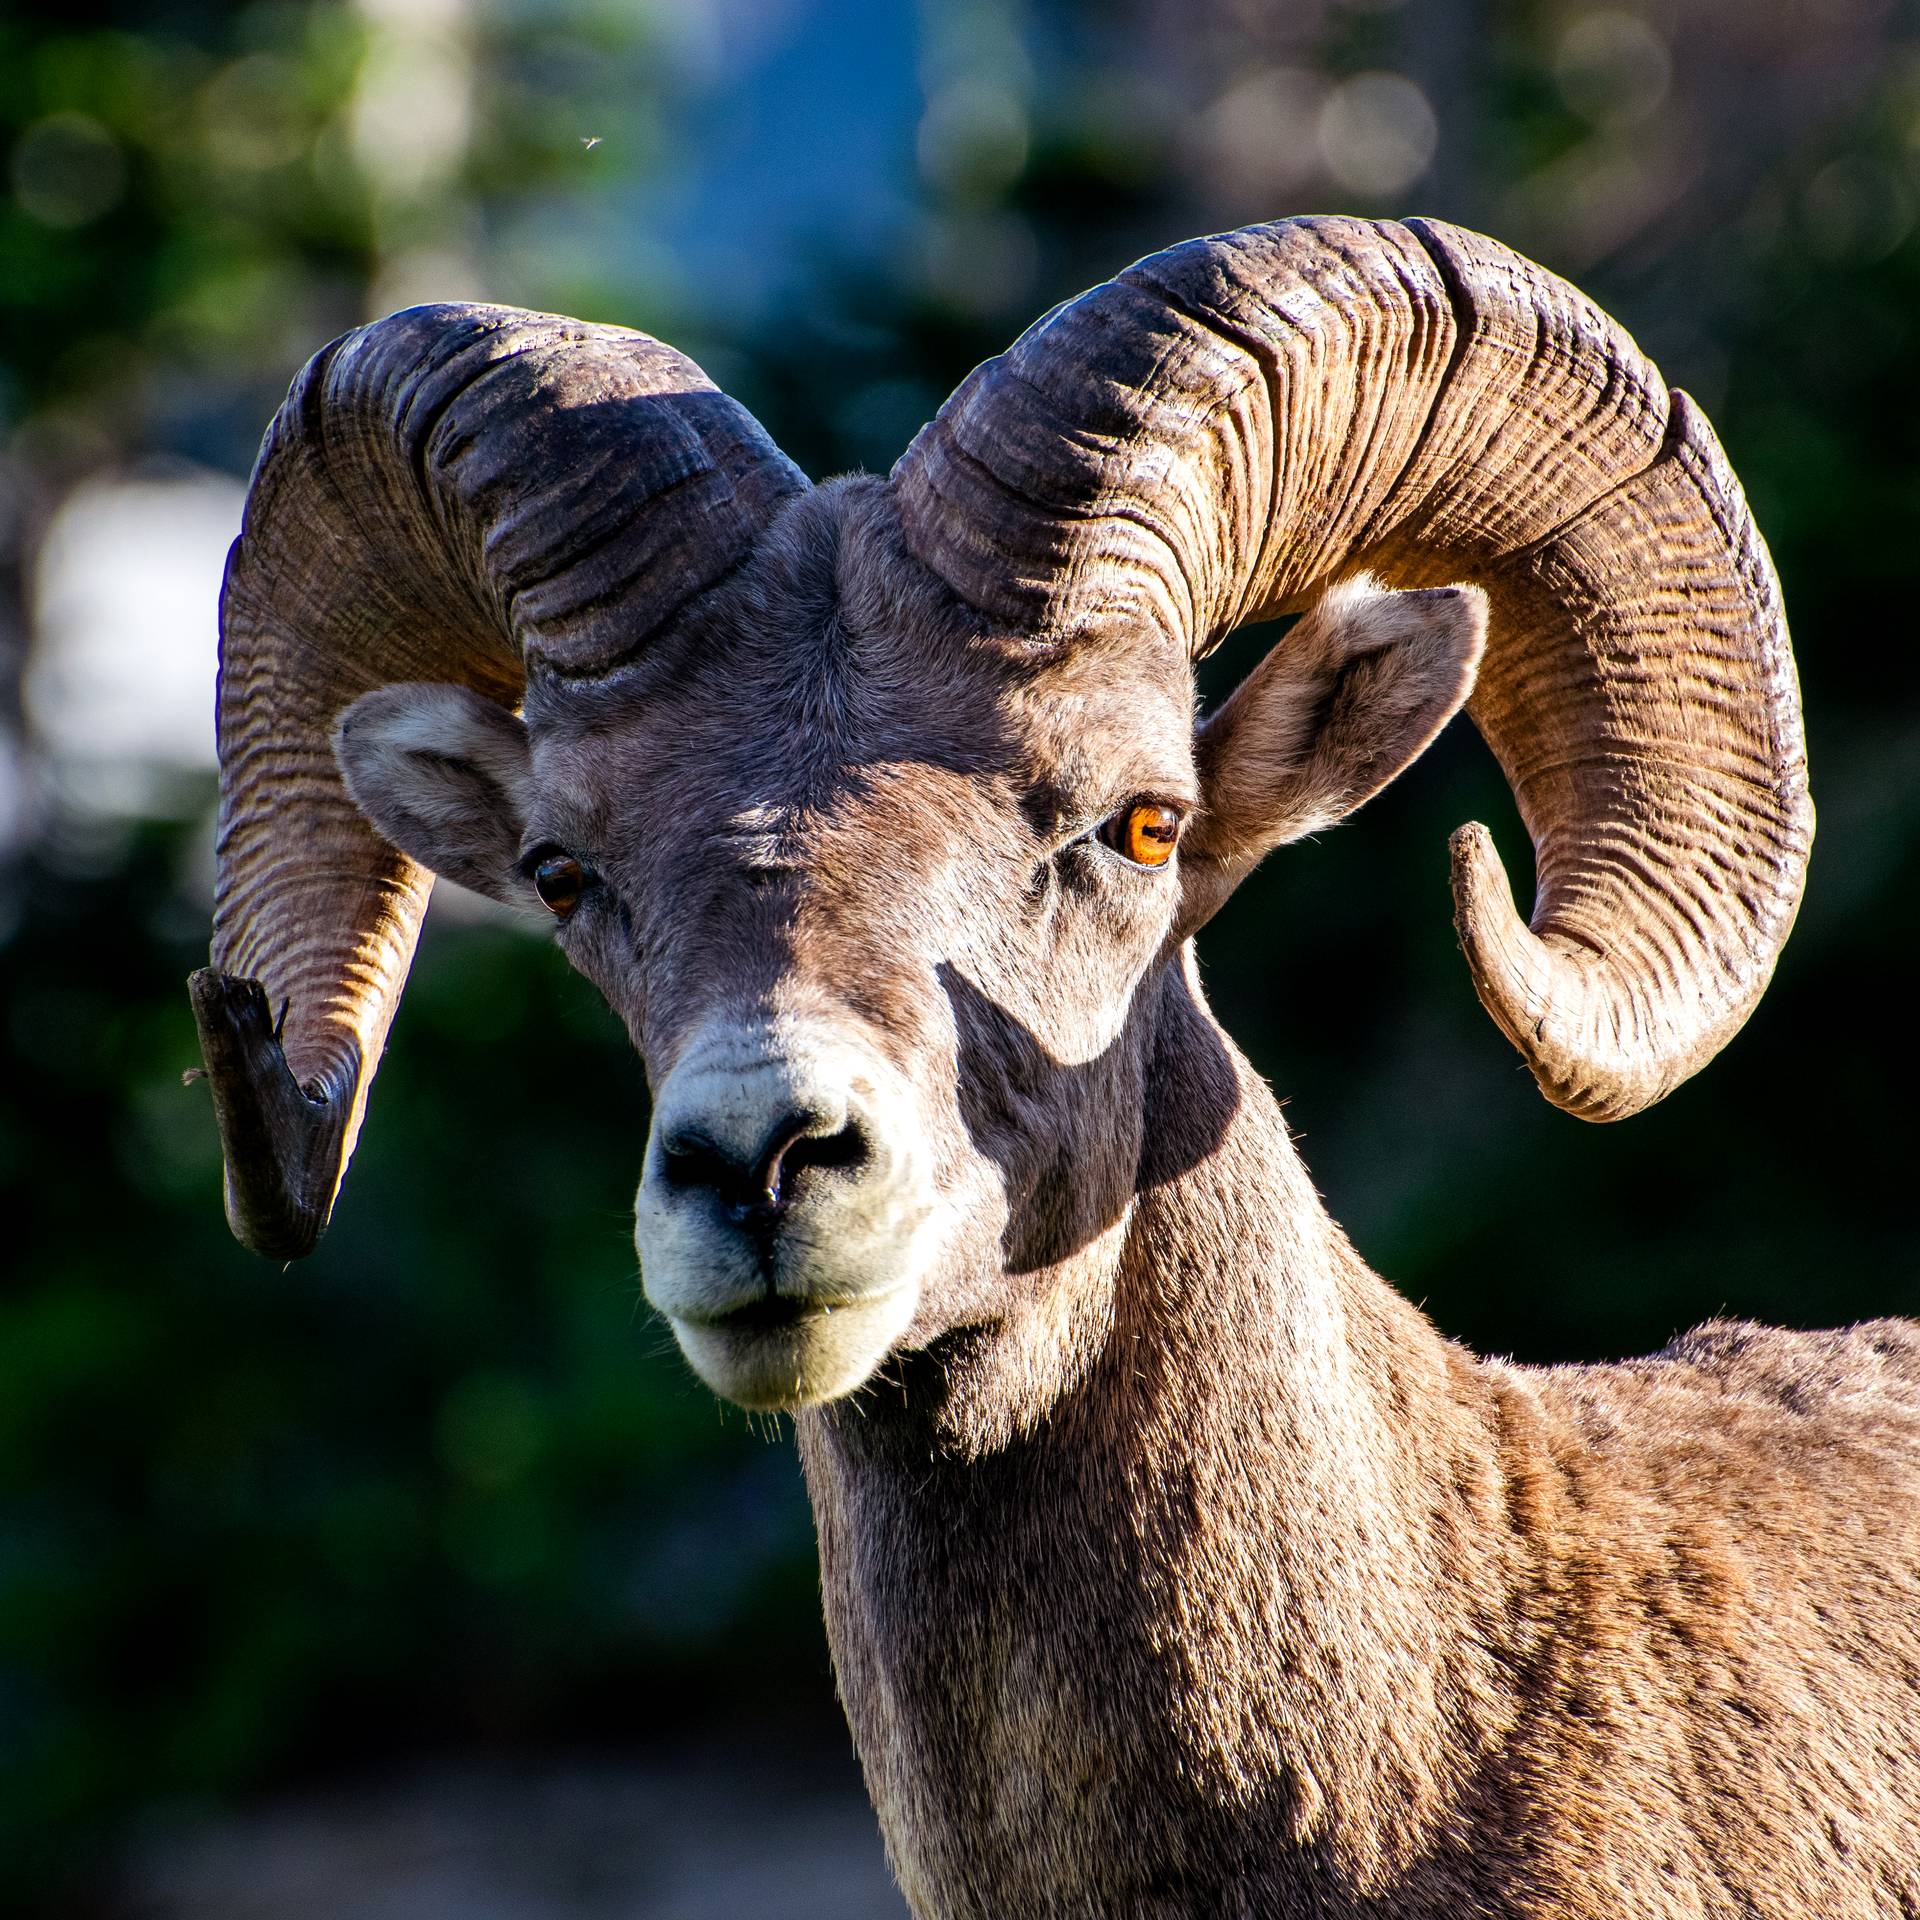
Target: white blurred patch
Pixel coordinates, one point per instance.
(126, 593)
(1377, 133)
(13, 796)
(697, 1832)
(412, 113)
(1261, 135)
(1613, 69)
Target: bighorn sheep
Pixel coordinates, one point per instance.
(1173, 1564)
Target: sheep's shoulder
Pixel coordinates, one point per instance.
(1731, 1388)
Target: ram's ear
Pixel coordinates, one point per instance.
(1347, 699)
(445, 776)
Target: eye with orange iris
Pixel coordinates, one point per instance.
(559, 879)
(1145, 832)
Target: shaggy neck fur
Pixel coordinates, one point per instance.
(1189, 1631)
(1222, 1585)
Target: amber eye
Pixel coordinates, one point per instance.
(1146, 833)
(560, 880)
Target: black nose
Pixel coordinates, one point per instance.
(757, 1194)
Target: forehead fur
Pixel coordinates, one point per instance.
(834, 649)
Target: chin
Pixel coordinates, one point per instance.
(778, 1355)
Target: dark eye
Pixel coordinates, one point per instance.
(1146, 833)
(559, 879)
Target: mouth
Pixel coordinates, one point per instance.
(774, 1314)
(781, 1312)
(779, 1352)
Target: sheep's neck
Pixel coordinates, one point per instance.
(1220, 1597)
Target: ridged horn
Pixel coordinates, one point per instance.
(1229, 426)
(455, 493)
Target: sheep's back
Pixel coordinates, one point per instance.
(1719, 1646)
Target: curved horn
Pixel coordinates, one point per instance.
(454, 493)
(1231, 425)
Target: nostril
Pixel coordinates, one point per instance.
(687, 1160)
(845, 1150)
(762, 1191)
(796, 1146)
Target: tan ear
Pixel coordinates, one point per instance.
(1353, 694)
(444, 776)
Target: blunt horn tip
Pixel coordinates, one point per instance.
(284, 1146)
(1559, 1002)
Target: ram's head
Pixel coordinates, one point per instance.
(878, 810)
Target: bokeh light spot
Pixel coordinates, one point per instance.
(1612, 68)
(1377, 133)
(68, 170)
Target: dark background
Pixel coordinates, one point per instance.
(441, 1504)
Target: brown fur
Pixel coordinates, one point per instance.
(1293, 1608)
(1173, 1564)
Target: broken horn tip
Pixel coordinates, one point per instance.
(1480, 880)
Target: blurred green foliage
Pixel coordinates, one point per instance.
(445, 1483)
